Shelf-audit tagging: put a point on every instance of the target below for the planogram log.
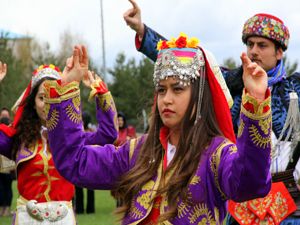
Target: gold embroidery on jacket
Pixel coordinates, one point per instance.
(76, 102)
(195, 180)
(144, 200)
(257, 139)
(51, 123)
(241, 128)
(183, 209)
(73, 115)
(135, 212)
(232, 149)
(105, 101)
(201, 210)
(265, 124)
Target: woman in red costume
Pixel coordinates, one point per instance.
(45, 196)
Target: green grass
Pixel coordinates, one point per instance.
(104, 205)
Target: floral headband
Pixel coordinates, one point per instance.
(179, 57)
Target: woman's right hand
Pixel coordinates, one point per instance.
(76, 66)
(3, 70)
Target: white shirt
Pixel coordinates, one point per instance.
(171, 149)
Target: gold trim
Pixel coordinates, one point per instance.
(61, 90)
(258, 107)
(215, 162)
(35, 148)
(76, 102)
(241, 128)
(132, 145)
(105, 101)
(45, 171)
(62, 98)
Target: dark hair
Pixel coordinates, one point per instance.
(28, 129)
(4, 109)
(186, 160)
(122, 115)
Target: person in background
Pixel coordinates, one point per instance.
(44, 195)
(6, 173)
(126, 131)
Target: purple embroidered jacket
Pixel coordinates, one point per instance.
(226, 171)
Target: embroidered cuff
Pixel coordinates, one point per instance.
(105, 101)
(253, 109)
(55, 92)
(98, 87)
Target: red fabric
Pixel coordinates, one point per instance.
(250, 108)
(125, 134)
(11, 130)
(220, 104)
(270, 16)
(7, 130)
(272, 209)
(163, 137)
(137, 42)
(33, 183)
(101, 89)
(54, 94)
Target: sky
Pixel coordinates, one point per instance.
(217, 23)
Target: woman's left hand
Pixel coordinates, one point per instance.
(90, 78)
(255, 78)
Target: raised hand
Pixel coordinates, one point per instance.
(76, 66)
(255, 78)
(3, 70)
(133, 18)
(90, 78)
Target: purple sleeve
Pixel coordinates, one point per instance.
(5, 145)
(91, 166)
(106, 132)
(244, 168)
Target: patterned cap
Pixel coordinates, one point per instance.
(267, 26)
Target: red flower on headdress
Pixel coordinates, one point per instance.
(164, 45)
(181, 42)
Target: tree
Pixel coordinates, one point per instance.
(132, 88)
(230, 63)
(16, 80)
(290, 67)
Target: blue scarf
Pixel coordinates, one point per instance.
(276, 74)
